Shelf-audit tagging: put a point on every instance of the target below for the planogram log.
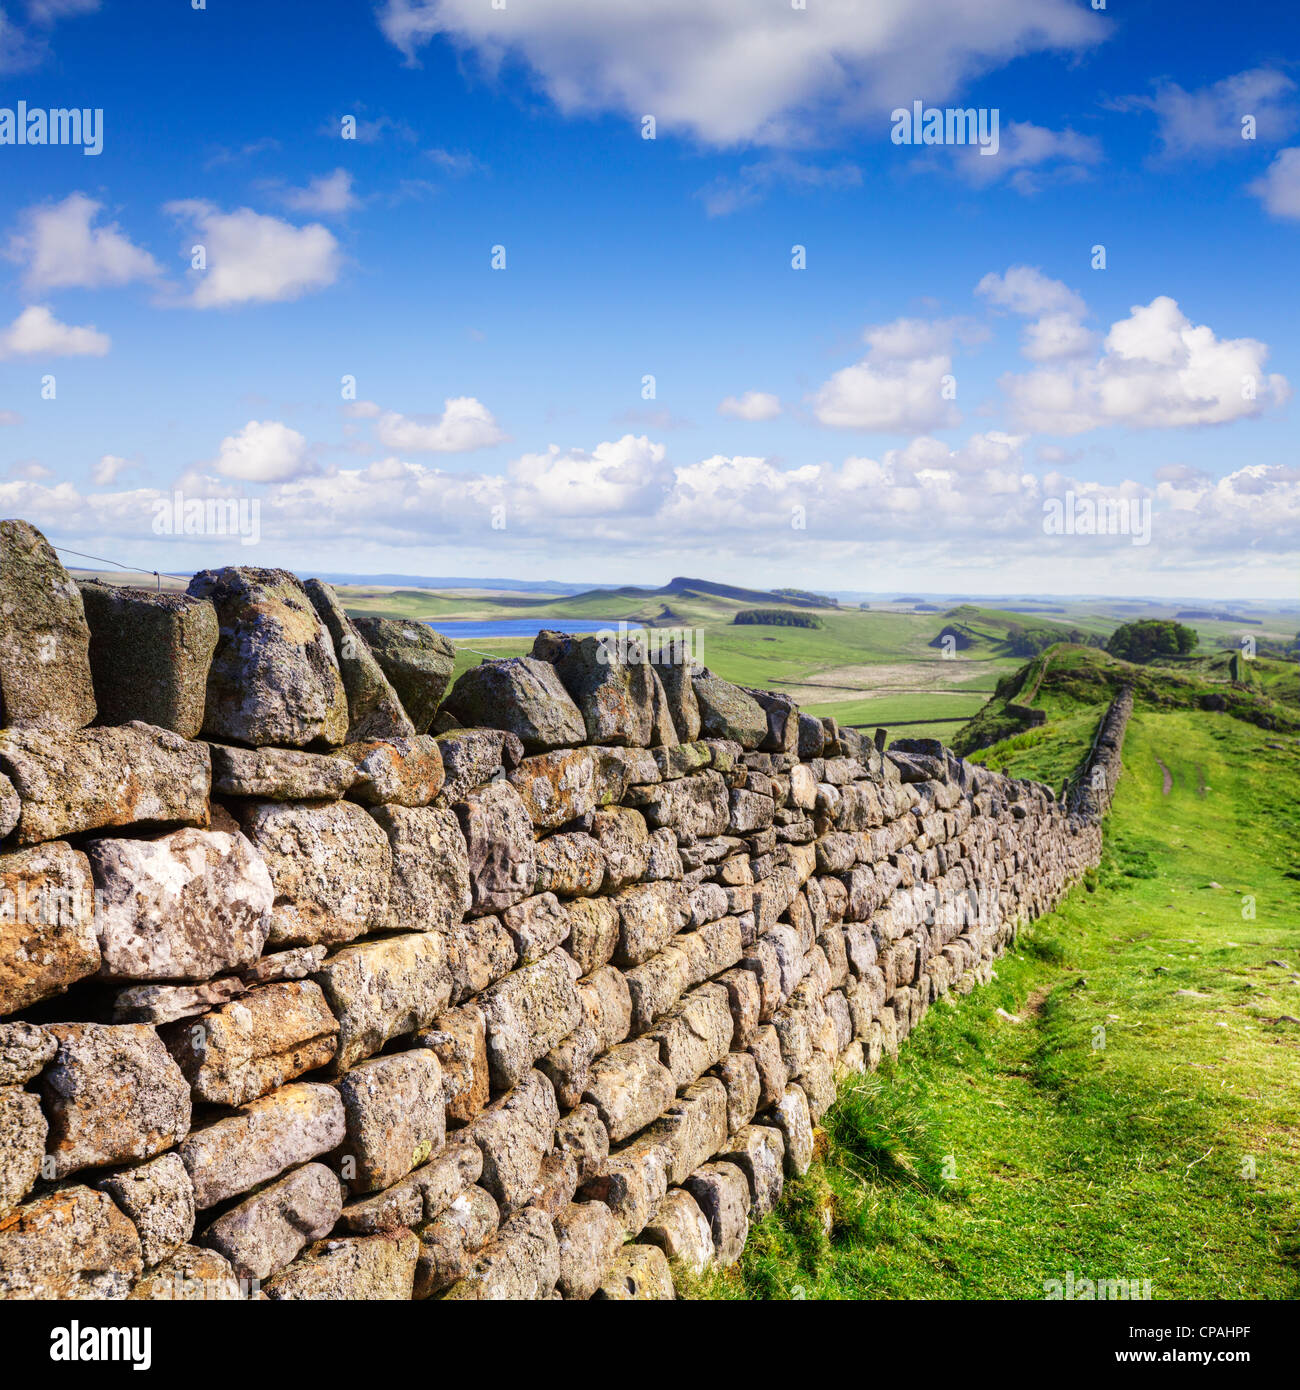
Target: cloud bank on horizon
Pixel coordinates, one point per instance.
(571, 288)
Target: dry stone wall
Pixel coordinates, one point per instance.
(319, 979)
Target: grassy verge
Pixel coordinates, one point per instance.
(996, 1154)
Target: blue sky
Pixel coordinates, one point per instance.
(804, 428)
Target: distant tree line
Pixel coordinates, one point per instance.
(1029, 641)
(777, 617)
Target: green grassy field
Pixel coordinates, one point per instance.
(1141, 1119)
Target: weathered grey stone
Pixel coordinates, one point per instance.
(166, 1003)
(133, 775)
(499, 840)
(111, 1095)
(374, 711)
(24, 1050)
(524, 697)
(537, 925)
(606, 1018)
(782, 721)
(630, 1087)
(378, 1268)
(694, 1127)
(738, 1073)
(395, 1117)
(473, 757)
(650, 915)
(265, 1232)
(557, 787)
(632, 1182)
(449, 1244)
(330, 865)
(70, 1244)
(294, 964)
(765, 1049)
(656, 985)
(727, 712)
(570, 865)
(417, 661)
(681, 1230)
(722, 1194)
(459, 1040)
(396, 772)
(423, 1196)
(159, 1200)
(47, 926)
(149, 655)
(759, 1152)
(185, 906)
(257, 1042)
(11, 807)
(45, 678)
(514, 1134)
(593, 932)
(527, 1013)
(679, 693)
(750, 811)
(555, 1184)
(480, 951)
(589, 1237)
(383, 989)
(261, 1140)
(192, 1275)
(695, 1034)
(615, 696)
(791, 1116)
(582, 1133)
(22, 1145)
(639, 1273)
(280, 774)
(521, 1262)
(694, 807)
(274, 677)
(625, 845)
(429, 888)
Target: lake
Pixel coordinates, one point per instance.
(465, 629)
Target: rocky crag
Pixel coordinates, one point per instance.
(321, 980)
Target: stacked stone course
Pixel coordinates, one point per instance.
(531, 988)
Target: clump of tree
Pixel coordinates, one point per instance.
(1149, 638)
(1029, 641)
(776, 617)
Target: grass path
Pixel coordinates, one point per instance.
(1141, 1121)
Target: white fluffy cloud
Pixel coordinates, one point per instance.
(59, 247)
(37, 333)
(1157, 369)
(1209, 119)
(255, 258)
(465, 424)
(753, 405)
(263, 452)
(1028, 157)
(1278, 188)
(329, 195)
(901, 385)
(1024, 289)
(730, 71)
(109, 468)
(970, 508)
(1057, 332)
